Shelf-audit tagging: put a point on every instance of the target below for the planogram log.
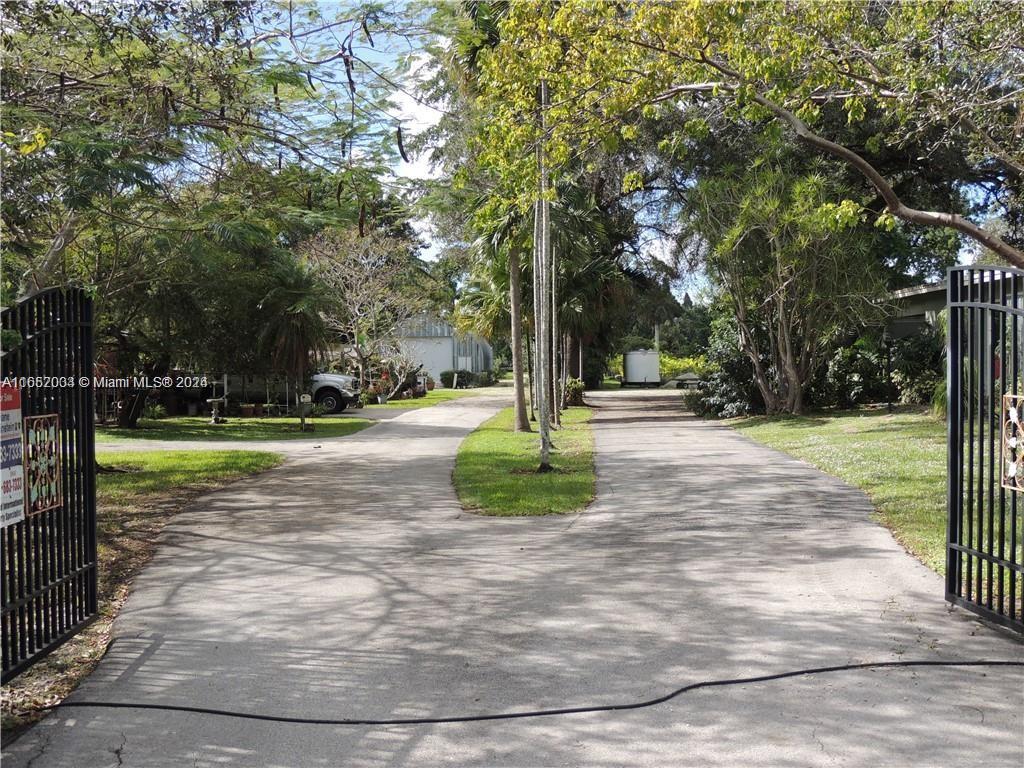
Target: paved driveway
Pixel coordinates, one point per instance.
(349, 584)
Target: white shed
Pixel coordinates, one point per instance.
(438, 347)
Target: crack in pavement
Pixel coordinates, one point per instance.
(118, 752)
(42, 749)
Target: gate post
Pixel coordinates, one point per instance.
(954, 441)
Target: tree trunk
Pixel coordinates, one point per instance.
(556, 346)
(521, 422)
(135, 401)
(540, 293)
(530, 378)
(575, 358)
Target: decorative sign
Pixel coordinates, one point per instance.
(42, 463)
(1013, 442)
(12, 458)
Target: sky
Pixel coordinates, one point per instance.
(417, 117)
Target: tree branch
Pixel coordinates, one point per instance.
(893, 203)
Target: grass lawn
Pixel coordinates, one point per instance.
(494, 470)
(433, 397)
(236, 428)
(899, 460)
(132, 508)
(610, 383)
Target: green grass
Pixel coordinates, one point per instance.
(495, 468)
(610, 383)
(899, 460)
(150, 472)
(236, 428)
(433, 397)
(133, 506)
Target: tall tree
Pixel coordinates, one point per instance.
(796, 266)
(952, 66)
(376, 285)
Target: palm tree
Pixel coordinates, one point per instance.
(492, 298)
(294, 330)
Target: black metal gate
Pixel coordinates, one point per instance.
(49, 569)
(985, 401)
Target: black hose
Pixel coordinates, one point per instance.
(530, 713)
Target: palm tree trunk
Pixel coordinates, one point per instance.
(541, 294)
(521, 422)
(556, 346)
(530, 379)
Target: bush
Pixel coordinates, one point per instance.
(574, 392)
(854, 374)
(154, 411)
(939, 400)
(918, 366)
(693, 400)
(729, 389)
(464, 380)
(676, 366)
(482, 379)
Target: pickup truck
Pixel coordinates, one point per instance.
(335, 391)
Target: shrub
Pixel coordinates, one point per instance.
(464, 380)
(154, 411)
(939, 399)
(482, 379)
(676, 366)
(729, 389)
(693, 400)
(574, 392)
(854, 374)
(721, 396)
(917, 366)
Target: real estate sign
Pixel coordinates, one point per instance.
(12, 457)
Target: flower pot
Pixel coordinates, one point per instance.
(382, 399)
(246, 409)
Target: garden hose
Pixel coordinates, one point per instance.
(517, 715)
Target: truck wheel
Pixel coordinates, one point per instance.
(331, 400)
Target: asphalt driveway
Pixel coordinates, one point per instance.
(348, 583)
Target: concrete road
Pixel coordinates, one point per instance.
(349, 584)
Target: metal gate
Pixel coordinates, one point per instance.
(985, 402)
(49, 569)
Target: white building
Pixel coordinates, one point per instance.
(438, 347)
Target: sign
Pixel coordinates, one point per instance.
(42, 463)
(1012, 475)
(12, 458)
